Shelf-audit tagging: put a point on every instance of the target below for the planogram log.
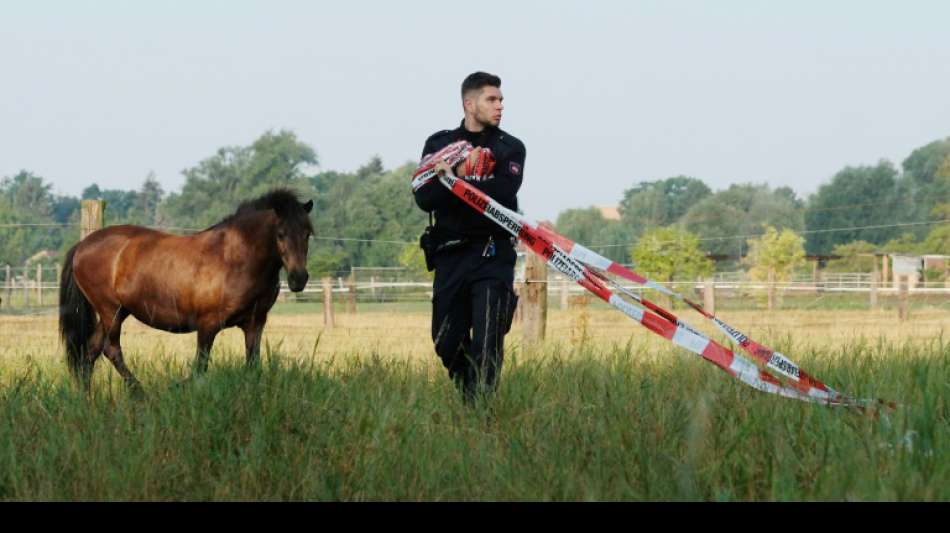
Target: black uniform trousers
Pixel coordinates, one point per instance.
(473, 304)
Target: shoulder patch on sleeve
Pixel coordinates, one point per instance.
(514, 168)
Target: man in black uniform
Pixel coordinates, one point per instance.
(473, 299)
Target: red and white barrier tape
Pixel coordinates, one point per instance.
(769, 358)
(452, 154)
(582, 264)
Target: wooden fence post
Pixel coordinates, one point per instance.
(903, 312)
(351, 294)
(885, 265)
(327, 303)
(580, 318)
(39, 284)
(565, 287)
(534, 298)
(519, 311)
(709, 296)
(8, 280)
(93, 213)
(875, 277)
(26, 285)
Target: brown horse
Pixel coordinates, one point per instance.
(227, 275)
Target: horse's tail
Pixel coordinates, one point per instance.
(77, 319)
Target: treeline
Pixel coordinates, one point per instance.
(362, 208)
(890, 210)
(363, 218)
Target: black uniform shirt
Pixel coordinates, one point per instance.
(454, 216)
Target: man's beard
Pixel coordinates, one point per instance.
(485, 122)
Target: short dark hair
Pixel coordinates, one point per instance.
(478, 80)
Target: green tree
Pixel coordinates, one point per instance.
(119, 206)
(28, 192)
(855, 197)
(373, 213)
(210, 191)
(613, 241)
(725, 220)
(778, 252)
(670, 253)
(580, 225)
(937, 241)
(853, 257)
(276, 160)
(652, 204)
(65, 209)
(926, 181)
(119, 203)
(145, 209)
(26, 218)
(905, 244)
(588, 227)
(216, 186)
(91, 192)
(372, 169)
(325, 261)
(414, 260)
(941, 210)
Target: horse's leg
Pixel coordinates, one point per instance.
(113, 350)
(93, 351)
(253, 331)
(205, 341)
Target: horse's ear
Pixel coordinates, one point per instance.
(308, 206)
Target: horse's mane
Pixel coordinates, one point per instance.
(283, 201)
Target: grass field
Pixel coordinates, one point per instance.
(603, 410)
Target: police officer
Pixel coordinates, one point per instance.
(473, 299)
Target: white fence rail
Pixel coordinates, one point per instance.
(30, 287)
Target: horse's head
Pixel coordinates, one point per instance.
(293, 240)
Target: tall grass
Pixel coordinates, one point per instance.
(623, 421)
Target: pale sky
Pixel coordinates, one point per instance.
(603, 94)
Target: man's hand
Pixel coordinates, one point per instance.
(480, 164)
(443, 169)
